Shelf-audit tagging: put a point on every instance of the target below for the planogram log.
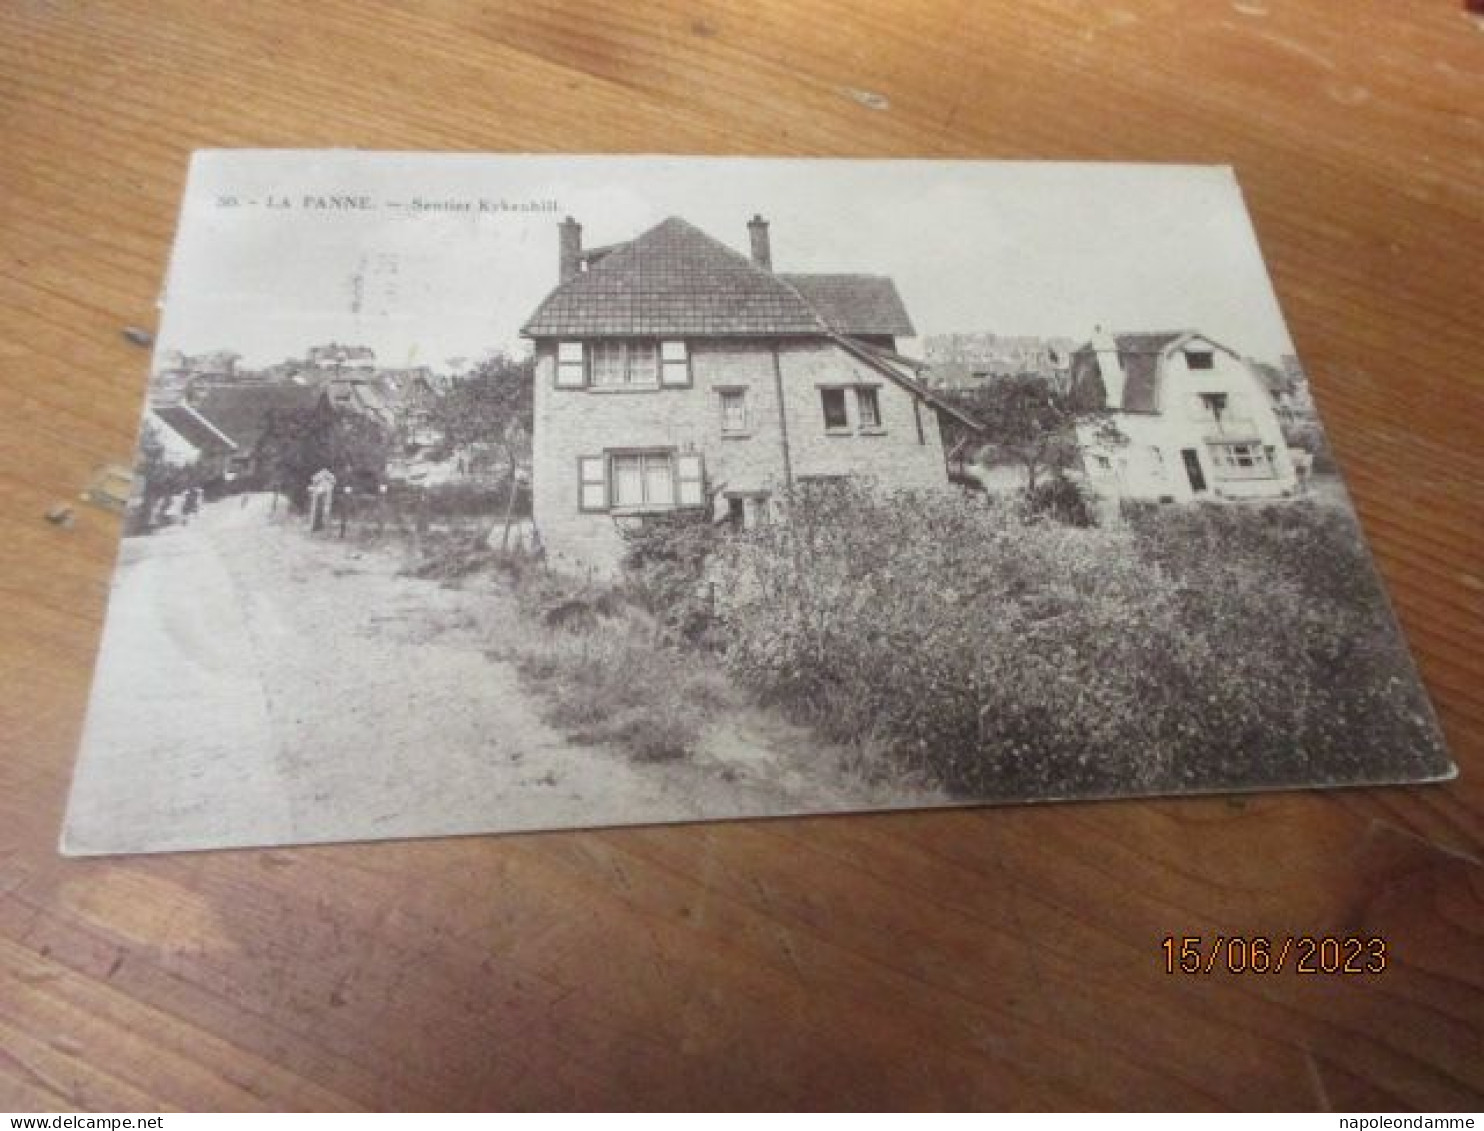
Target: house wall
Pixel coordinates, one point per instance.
(1183, 423)
(572, 423)
(894, 456)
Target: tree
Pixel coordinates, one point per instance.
(1035, 422)
(492, 406)
(298, 444)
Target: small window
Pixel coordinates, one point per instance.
(570, 371)
(835, 418)
(868, 409)
(734, 412)
(674, 365)
(1200, 359)
(1214, 403)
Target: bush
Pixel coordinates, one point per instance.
(602, 672)
(664, 566)
(1061, 499)
(1309, 436)
(462, 499)
(1200, 646)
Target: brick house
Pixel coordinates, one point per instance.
(674, 372)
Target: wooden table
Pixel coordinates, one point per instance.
(1003, 957)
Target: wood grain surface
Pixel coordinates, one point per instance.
(998, 957)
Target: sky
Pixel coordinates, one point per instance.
(269, 260)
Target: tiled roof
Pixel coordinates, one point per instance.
(855, 304)
(1140, 356)
(246, 412)
(194, 430)
(674, 279)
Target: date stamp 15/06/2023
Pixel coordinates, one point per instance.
(1344, 955)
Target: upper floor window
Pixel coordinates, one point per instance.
(622, 363)
(734, 412)
(833, 401)
(1213, 403)
(1200, 359)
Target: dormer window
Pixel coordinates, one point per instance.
(1197, 358)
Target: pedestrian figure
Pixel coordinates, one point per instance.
(191, 504)
(321, 498)
(1303, 468)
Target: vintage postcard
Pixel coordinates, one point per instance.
(490, 493)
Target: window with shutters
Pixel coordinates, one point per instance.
(624, 364)
(640, 481)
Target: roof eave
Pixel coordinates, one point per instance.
(869, 356)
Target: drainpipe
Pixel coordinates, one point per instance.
(788, 470)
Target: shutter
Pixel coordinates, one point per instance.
(571, 373)
(690, 476)
(592, 483)
(674, 365)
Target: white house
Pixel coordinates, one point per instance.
(187, 438)
(1191, 420)
(673, 371)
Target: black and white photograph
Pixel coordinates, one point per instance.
(485, 493)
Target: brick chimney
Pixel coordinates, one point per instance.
(762, 253)
(569, 245)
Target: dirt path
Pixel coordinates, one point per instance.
(260, 686)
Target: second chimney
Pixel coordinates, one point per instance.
(569, 249)
(762, 253)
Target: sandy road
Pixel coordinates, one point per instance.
(261, 686)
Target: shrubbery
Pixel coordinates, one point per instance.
(601, 669)
(664, 569)
(1209, 646)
